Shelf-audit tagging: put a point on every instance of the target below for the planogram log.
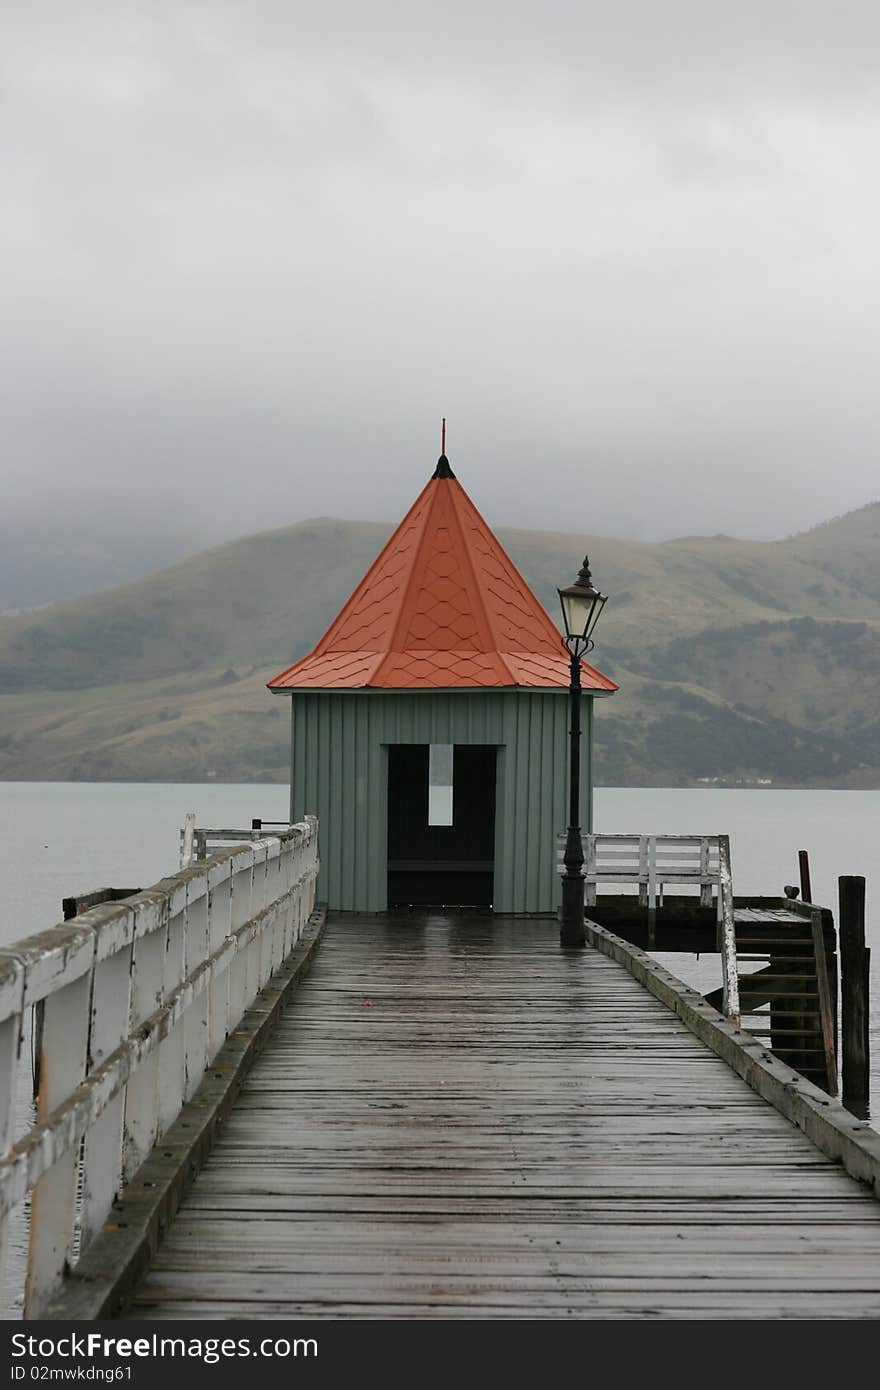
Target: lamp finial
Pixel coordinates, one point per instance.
(585, 578)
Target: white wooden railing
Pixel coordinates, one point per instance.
(652, 861)
(137, 998)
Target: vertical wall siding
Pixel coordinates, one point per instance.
(339, 770)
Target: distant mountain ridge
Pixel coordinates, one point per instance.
(44, 562)
(737, 660)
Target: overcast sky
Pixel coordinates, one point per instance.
(252, 252)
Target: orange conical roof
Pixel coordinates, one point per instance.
(443, 605)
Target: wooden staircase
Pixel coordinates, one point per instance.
(785, 996)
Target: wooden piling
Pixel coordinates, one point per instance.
(834, 991)
(804, 867)
(854, 970)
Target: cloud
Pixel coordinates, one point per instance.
(254, 251)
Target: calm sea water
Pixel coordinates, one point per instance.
(64, 838)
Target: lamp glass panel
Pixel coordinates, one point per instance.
(576, 611)
(592, 620)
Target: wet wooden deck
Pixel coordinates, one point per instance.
(456, 1119)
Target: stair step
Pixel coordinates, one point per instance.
(786, 1051)
(797, 960)
(783, 1032)
(782, 1013)
(770, 995)
(760, 975)
(774, 940)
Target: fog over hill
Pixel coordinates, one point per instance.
(738, 660)
(45, 561)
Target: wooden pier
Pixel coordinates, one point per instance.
(250, 1108)
(456, 1119)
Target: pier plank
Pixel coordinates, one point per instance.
(456, 1119)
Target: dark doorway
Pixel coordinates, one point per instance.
(449, 864)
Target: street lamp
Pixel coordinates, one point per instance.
(581, 606)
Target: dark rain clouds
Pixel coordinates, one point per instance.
(253, 251)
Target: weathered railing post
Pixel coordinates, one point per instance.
(142, 1093)
(196, 951)
(109, 1022)
(11, 1009)
(261, 948)
(312, 860)
(65, 1047)
(727, 933)
(219, 906)
(187, 847)
(277, 886)
(854, 989)
(242, 965)
(172, 1059)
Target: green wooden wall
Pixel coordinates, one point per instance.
(339, 771)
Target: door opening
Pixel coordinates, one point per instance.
(441, 825)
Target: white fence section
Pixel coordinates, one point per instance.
(651, 862)
(137, 998)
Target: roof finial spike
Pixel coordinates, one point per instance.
(443, 470)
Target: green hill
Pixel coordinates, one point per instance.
(737, 660)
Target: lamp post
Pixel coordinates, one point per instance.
(581, 606)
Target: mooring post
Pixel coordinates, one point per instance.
(804, 867)
(854, 971)
(834, 991)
